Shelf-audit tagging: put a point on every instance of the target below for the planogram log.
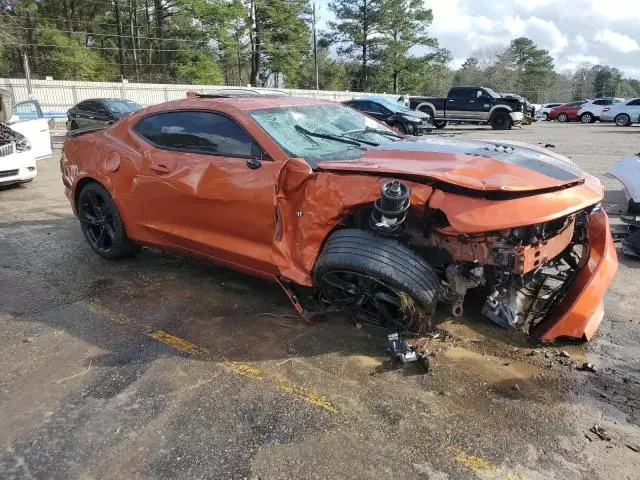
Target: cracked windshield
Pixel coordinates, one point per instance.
(322, 132)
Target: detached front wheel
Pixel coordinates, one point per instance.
(378, 278)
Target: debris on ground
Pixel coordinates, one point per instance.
(549, 145)
(587, 367)
(564, 354)
(601, 432)
(633, 446)
(403, 353)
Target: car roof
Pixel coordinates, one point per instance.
(241, 103)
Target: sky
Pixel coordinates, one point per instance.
(573, 31)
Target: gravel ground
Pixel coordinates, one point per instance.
(164, 367)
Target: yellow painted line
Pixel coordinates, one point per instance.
(482, 466)
(243, 369)
(313, 398)
(305, 394)
(177, 343)
(114, 317)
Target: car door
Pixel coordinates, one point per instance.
(633, 110)
(207, 187)
(27, 119)
(458, 104)
(599, 105)
(479, 104)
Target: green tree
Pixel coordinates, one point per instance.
(470, 73)
(533, 67)
(605, 80)
(403, 26)
(332, 74)
(198, 67)
(626, 89)
(355, 31)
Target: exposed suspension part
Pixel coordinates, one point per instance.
(390, 211)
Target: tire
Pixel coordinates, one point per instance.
(381, 258)
(623, 120)
(102, 224)
(587, 117)
(439, 124)
(633, 207)
(501, 121)
(545, 117)
(401, 128)
(563, 117)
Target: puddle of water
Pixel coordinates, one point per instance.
(492, 369)
(367, 361)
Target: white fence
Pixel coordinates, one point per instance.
(60, 95)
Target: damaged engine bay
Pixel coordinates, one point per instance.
(519, 274)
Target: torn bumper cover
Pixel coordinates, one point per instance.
(580, 311)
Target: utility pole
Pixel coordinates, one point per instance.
(315, 48)
(133, 41)
(116, 4)
(27, 71)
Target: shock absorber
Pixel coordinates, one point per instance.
(390, 210)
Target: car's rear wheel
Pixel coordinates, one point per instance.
(563, 117)
(623, 120)
(102, 224)
(587, 118)
(501, 121)
(378, 278)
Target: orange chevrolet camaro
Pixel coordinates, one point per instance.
(313, 193)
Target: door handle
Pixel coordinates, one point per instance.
(254, 163)
(156, 167)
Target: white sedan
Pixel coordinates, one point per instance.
(24, 139)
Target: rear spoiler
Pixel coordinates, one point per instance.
(82, 131)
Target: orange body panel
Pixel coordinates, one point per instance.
(272, 221)
(580, 312)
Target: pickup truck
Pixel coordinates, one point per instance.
(471, 105)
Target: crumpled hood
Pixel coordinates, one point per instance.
(485, 165)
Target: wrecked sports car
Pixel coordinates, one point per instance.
(311, 193)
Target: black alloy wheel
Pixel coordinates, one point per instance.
(102, 225)
(368, 298)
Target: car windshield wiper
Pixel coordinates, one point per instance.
(336, 138)
(374, 130)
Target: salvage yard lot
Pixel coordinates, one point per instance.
(164, 367)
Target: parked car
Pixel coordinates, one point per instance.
(567, 112)
(591, 110)
(471, 105)
(543, 112)
(394, 114)
(624, 114)
(97, 112)
(24, 139)
(311, 193)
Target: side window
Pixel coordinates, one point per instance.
(26, 110)
(634, 103)
(459, 93)
(375, 108)
(602, 102)
(202, 132)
